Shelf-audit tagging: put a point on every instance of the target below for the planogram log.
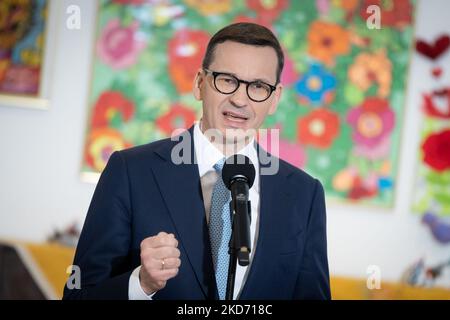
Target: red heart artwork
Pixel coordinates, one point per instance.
(431, 107)
(437, 72)
(442, 92)
(433, 51)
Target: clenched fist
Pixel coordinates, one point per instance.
(160, 260)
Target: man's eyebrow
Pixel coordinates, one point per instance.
(251, 80)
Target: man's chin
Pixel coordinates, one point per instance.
(230, 135)
(234, 136)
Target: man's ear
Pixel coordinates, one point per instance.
(198, 82)
(276, 99)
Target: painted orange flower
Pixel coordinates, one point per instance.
(210, 7)
(102, 142)
(348, 4)
(186, 50)
(319, 128)
(327, 40)
(372, 68)
(343, 180)
(108, 106)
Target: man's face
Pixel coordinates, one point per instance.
(226, 112)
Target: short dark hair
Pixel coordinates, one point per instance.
(246, 33)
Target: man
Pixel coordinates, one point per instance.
(153, 231)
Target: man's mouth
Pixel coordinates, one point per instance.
(233, 116)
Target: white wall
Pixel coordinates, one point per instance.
(40, 186)
(41, 151)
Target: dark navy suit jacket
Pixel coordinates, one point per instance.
(142, 192)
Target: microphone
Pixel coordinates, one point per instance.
(238, 175)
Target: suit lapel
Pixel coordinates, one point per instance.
(275, 204)
(181, 189)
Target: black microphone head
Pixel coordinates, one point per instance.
(235, 166)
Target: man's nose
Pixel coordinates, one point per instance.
(239, 98)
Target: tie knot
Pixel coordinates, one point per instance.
(219, 165)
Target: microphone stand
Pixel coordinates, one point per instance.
(231, 270)
(239, 245)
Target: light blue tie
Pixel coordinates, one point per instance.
(220, 229)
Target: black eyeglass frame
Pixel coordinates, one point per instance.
(239, 81)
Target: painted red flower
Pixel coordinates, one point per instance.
(319, 128)
(186, 50)
(436, 150)
(394, 13)
(108, 105)
(268, 10)
(359, 192)
(257, 20)
(178, 117)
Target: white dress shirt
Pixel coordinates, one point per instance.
(207, 155)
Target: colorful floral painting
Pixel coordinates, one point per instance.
(433, 182)
(22, 35)
(344, 83)
(432, 187)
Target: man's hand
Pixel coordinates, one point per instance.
(160, 260)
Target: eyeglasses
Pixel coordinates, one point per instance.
(257, 91)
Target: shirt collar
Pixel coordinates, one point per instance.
(207, 155)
